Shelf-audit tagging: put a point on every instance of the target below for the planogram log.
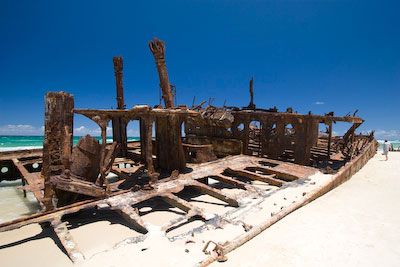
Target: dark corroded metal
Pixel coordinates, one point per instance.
(119, 125)
(86, 159)
(57, 145)
(251, 89)
(118, 67)
(157, 47)
(254, 146)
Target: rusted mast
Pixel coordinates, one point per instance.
(157, 47)
(251, 105)
(119, 125)
(170, 154)
(118, 66)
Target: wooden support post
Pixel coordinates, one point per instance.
(278, 147)
(306, 136)
(328, 154)
(311, 138)
(148, 143)
(23, 185)
(300, 137)
(142, 132)
(246, 138)
(170, 153)
(57, 144)
(103, 127)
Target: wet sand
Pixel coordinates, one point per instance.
(13, 204)
(354, 225)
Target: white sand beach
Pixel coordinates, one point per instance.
(357, 224)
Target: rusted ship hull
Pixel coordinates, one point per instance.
(234, 148)
(229, 171)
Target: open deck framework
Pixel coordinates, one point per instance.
(180, 148)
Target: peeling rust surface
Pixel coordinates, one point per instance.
(231, 145)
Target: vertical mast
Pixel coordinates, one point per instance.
(118, 66)
(157, 47)
(251, 105)
(119, 124)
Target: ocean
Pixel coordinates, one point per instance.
(12, 202)
(395, 144)
(8, 143)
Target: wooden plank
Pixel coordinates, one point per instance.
(214, 193)
(253, 176)
(251, 114)
(47, 216)
(78, 186)
(235, 183)
(285, 176)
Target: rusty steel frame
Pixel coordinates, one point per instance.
(75, 178)
(167, 189)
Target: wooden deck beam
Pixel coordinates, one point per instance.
(269, 179)
(214, 193)
(285, 176)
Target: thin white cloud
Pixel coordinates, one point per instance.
(21, 129)
(133, 132)
(387, 134)
(319, 103)
(83, 130)
(27, 129)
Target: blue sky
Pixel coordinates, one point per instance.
(311, 55)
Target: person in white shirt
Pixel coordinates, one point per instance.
(386, 147)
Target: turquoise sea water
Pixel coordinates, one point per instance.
(395, 144)
(29, 142)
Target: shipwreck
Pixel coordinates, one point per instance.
(180, 149)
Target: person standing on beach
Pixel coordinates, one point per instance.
(386, 147)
